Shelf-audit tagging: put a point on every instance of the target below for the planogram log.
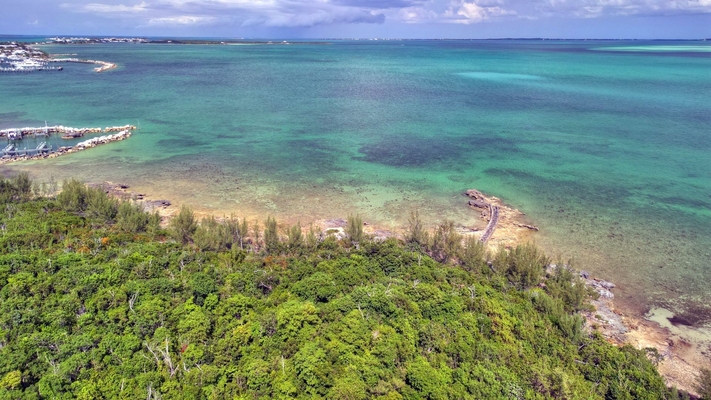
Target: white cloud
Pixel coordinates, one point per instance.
(598, 8)
(99, 8)
(462, 12)
(181, 20)
(413, 15)
(307, 13)
(286, 18)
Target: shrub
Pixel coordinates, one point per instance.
(271, 236)
(212, 235)
(354, 228)
(100, 206)
(237, 231)
(523, 266)
(183, 225)
(565, 284)
(132, 218)
(17, 189)
(446, 242)
(23, 186)
(416, 232)
(703, 385)
(473, 255)
(73, 196)
(296, 238)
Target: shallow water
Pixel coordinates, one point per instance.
(606, 151)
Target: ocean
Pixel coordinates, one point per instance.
(605, 145)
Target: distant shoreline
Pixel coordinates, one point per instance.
(261, 40)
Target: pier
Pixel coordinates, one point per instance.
(27, 66)
(11, 153)
(20, 58)
(493, 220)
(66, 131)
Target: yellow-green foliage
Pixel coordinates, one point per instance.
(89, 310)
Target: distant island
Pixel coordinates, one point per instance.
(92, 40)
(21, 57)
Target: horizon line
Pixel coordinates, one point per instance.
(345, 38)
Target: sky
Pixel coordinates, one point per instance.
(609, 19)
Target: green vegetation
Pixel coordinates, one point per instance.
(704, 384)
(98, 301)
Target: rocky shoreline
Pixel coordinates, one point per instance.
(510, 228)
(677, 361)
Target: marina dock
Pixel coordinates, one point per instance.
(11, 153)
(66, 131)
(21, 58)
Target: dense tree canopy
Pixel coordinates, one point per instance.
(97, 301)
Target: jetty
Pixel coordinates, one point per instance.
(17, 64)
(18, 57)
(510, 222)
(66, 131)
(17, 69)
(12, 151)
(11, 154)
(103, 65)
(493, 221)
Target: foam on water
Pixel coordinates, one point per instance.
(500, 76)
(660, 48)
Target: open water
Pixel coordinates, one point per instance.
(604, 145)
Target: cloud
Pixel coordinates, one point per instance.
(599, 8)
(181, 20)
(309, 13)
(317, 17)
(269, 13)
(380, 4)
(99, 8)
(462, 12)
(413, 15)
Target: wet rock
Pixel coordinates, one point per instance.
(605, 294)
(156, 204)
(335, 223)
(381, 235)
(527, 226)
(605, 284)
(478, 203)
(474, 194)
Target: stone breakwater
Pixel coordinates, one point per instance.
(506, 225)
(103, 65)
(93, 142)
(87, 144)
(68, 132)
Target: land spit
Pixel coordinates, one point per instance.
(103, 65)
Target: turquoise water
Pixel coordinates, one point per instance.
(606, 148)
